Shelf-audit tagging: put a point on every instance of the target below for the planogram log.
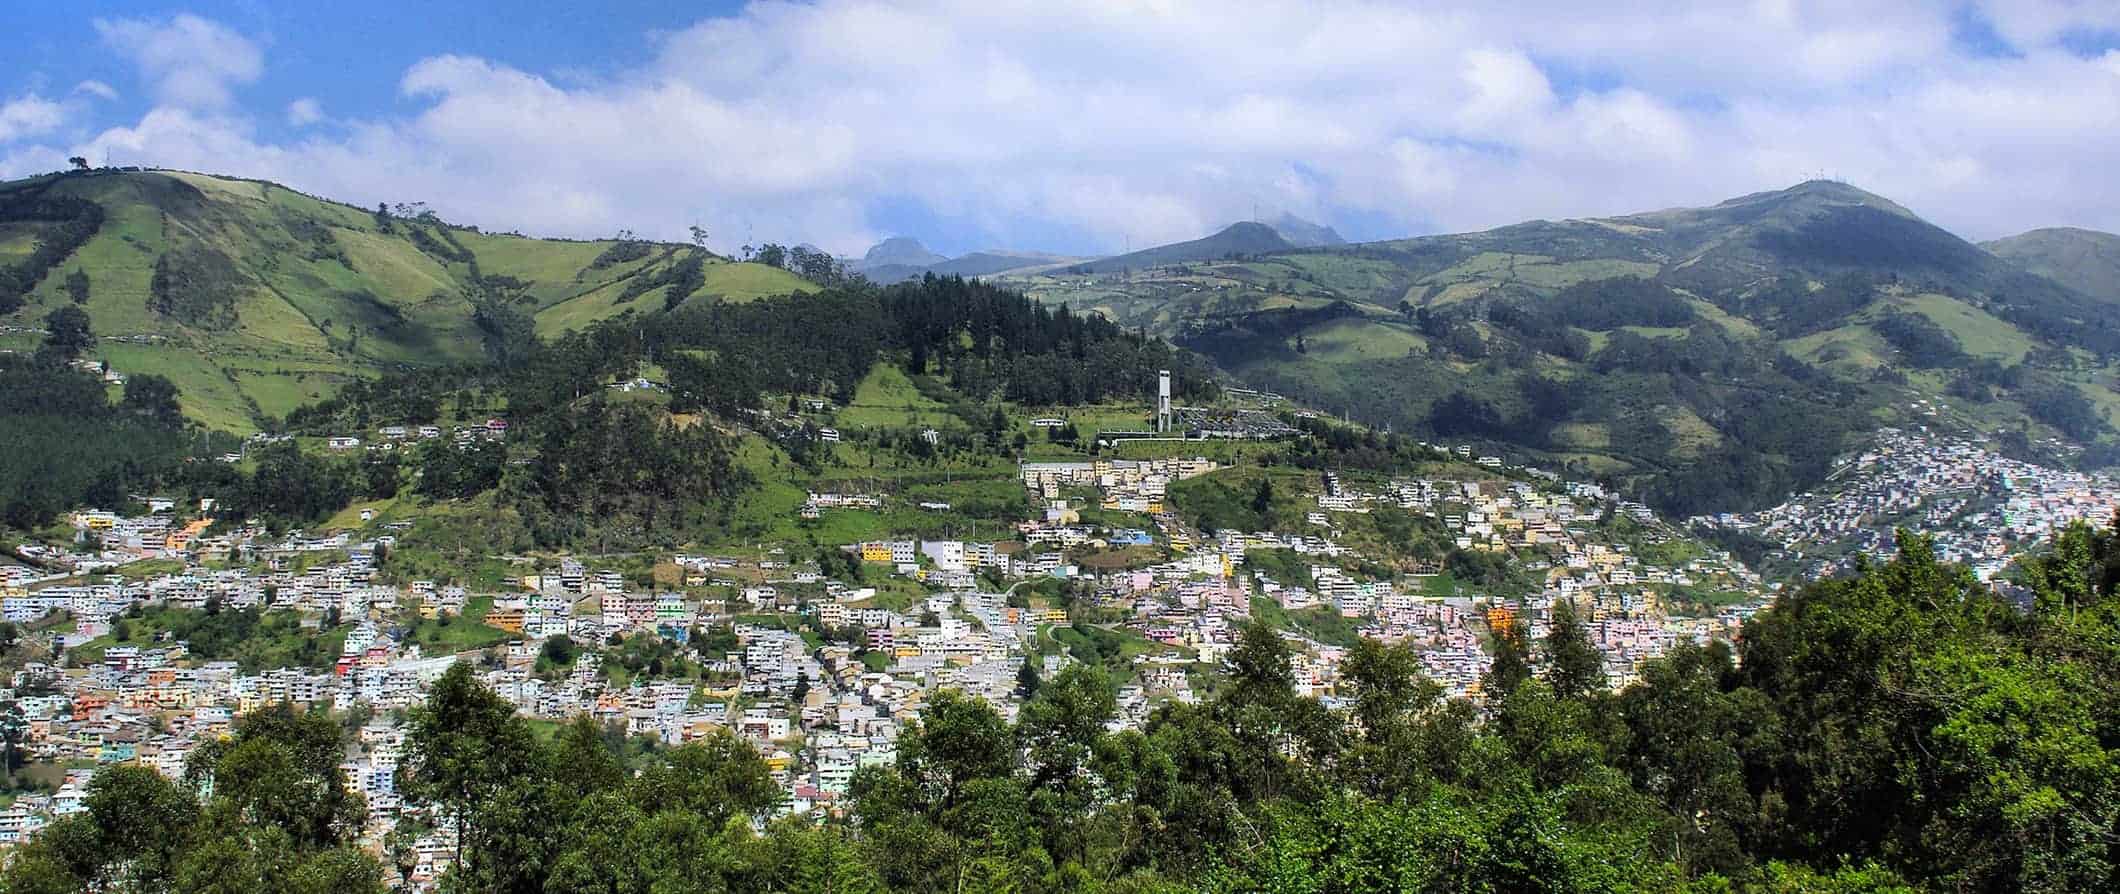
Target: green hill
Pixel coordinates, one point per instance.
(2085, 260)
(254, 298)
(1715, 357)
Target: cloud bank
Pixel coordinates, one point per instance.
(1103, 123)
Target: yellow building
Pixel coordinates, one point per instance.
(1501, 619)
(509, 619)
(875, 552)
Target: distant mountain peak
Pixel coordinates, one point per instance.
(900, 250)
(1304, 234)
(1820, 192)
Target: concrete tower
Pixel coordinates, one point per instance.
(1162, 400)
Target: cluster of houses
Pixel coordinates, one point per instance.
(1982, 509)
(820, 676)
(389, 437)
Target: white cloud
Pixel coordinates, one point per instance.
(1136, 124)
(29, 116)
(2029, 23)
(97, 89)
(304, 112)
(188, 61)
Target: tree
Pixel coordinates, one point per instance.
(464, 746)
(699, 235)
(280, 770)
(718, 778)
(1574, 666)
(141, 819)
(1060, 726)
(79, 163)
(77, 286)
(1511, 665)
(1262, 498)
(153, 397)
(961, 739)
(1027, 680)
(66, 333)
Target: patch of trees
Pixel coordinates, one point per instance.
(683, 276)
(290, 486)
(625, 250)
(1462, 415)
(623, 474)
(404, 396)
(314, 238)
(1920, 340)
(196, 287)
(281, 816)
(1251, 336)
(448, 471)
(1792, 309)
(68, 223)
(1546, 332)
(2060, 405)
(815, 265)
(66, 444)
(1706, 349)
(66, 334)
(1622, 301)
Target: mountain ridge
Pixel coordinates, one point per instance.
(1680, 350)
(2083, 259)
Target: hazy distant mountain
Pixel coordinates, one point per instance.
(2085, 260)
(992, 261)
(1236, 240)
(1304, 234)
(898, 251)
(903, 257)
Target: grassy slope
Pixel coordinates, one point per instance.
(306, 320)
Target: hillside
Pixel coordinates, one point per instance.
(1236, 240)
(1714, 357)
(1304, 234)
(268, 299)
(2085, 260)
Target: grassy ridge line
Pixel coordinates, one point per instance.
(329, 294)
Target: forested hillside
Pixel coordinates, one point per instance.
(585, 464)
(1903, 729)
(254, 299)
(1712, 359)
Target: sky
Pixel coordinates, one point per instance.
(1085, 127)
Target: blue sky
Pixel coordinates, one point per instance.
(349, 55)
(1084, 127)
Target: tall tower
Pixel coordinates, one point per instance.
(1162, 401)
